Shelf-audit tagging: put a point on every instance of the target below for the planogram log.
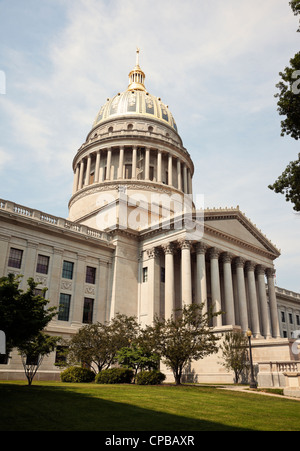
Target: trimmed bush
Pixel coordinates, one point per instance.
(115, 376)
(77, 374)
(150, 378)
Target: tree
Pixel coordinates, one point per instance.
(289, 98)
(184, 337)
(288, 183)
(96, 345)
(235, 354)
(23, 314)
(295, 5)
(33, 352)
(137, 358)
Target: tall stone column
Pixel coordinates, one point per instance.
(121, 163)
(186, 273)
(153, 283)
(242, 300)
(266, 329)
(169, 280)
(179, 178)
(215, 285)
(273, 302)
(201, 287)
(253, 301)
(108, 164)
(228, 288)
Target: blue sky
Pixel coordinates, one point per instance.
(214, 63)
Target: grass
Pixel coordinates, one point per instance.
(47, 406)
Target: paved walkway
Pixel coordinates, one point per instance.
(256, 392)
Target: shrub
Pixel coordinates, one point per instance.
(150, 378)
(115, 376)
(77, 374)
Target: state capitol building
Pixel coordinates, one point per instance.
(136, 243)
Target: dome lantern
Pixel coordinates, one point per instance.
(137, 76)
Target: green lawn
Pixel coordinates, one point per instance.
(47, 406)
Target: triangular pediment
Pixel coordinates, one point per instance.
(233, 225)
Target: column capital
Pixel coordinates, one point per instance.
(168, 248)
(227, 257)
(239, 262)
(270, 272)
(153, 253)
(185, 244)
(214, 253)
(201, 247)
(260, 270)
(250, 266)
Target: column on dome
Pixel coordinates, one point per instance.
(253, 300)
(134, 155)
(108, 164)
(226, 259)
(201, 285)
(186, 273)
(179, 178)
(88, 170)
(266, 329)
(81, 172)
(185, 181)
(169, 280)
(97, 166)
(190, 184)
(215, 285)
(147, 164)
(170, 170)
(273, 302)
(76, 179)
(121, 162)
(159, 166)
(241, 289)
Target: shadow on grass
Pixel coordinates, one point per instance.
(47, 408)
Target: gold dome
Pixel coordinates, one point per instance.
(136, 101)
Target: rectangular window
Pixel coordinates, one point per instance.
(67, 272)
(88, 311)
(282, 317)
(291, 318)
(151, 173)
(15, 258)
(298, 320)
(128, 171)
(145, 274)
(90, 276)
(42, 264)
(64, 307)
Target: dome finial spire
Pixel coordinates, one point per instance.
(137, 57)
(137, 76)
